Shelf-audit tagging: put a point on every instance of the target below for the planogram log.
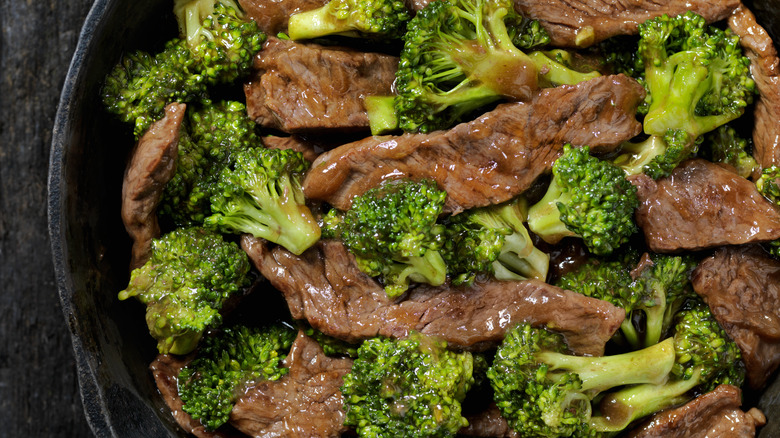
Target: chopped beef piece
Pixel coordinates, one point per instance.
(703, 205)
(151, 166)
(309, 150)
(765, 68)
(488, 424)
(742, 287)
(306, 402)
(579, 23)
(714, 414)
(325, 287)
(491, 159)
(272, 15)
(304, 87)
(165, 369)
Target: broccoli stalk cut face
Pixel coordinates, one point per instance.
(261, 194)
(459, 55)
(588, 198)
(189, 275)
(493, 240)
(543, 391)
(222, 40)
(411, 388)
(352, 18)
(226, 364)
(705, 357)
(392, 231)
(214, 132)
(696, 75)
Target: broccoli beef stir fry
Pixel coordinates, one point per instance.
(485, 218)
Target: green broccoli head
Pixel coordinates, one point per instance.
(214, 132)
(767, 184)
(725, 145)
(696, 75)
(705, 357)
(392, 230)
(588, 198)
(411, 387)
(260, 194)
(222, 40)
(492, 240)
(353, 18)
(189, 275)
(227, 363)
(458, 56)
(141, 84)
(543, 391)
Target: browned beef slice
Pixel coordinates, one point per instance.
(703, 205)
(304, 403)
(304, 87)
(490, 159)
(742, 287)
(489, 424)
(272, 15)
(765, 67)
(165, 369)
(151, 166)
(325, 287)
(597, 20)
(309, 150)
(714, 414)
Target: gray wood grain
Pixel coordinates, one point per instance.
(38, 386)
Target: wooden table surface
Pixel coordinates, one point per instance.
(39, 394)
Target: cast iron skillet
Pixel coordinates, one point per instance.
(91, 249)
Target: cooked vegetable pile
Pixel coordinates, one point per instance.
(433, 315)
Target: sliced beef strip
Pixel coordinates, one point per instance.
(714, 414)
(165, 370)
(580, 23)
(272, 15)
(703, 205)
(151, 166)
(306, 402)
(325, 287)
(306, 87)
(309, 150)
(742, 287)
(765, 68)
(490, 159)
(489, 424)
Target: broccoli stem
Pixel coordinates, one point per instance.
(316, 23)
(650, 365)
(381, 114)
(617, 410)
(556, 73)
(544, 217)
(634, 156)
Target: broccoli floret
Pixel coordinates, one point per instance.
(767, 184)
(226, 364)
(458, 56)
(353, 18)
(657, 155)
(620, 56)
(492, 240)
(650, 300)
(392, 230)
(331, 346)
(407, 388)
(705, 357)
(189, 275)
(696, 75)
(588, 198)
(260, 194)
(544, 391)
(222, 39)
(142, 84)
(725, 145)
(214, 132)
